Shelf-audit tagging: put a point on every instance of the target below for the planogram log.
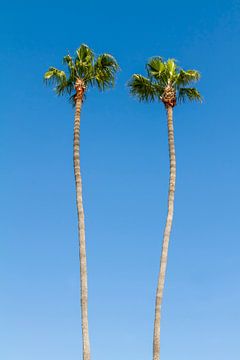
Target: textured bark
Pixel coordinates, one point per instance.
(81, 225)
(169, 96)
(166, 236)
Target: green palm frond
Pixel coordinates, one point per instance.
(155, 68)
(104, 71)
(191, 94)
(184, 78)
(143, 88)
(59, 79)
(171, 68)
(54, 76)
(85, 55)
(98, 71)
(68, 60)
(84, 63)
(65, 87)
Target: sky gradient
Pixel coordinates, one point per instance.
(124, 160)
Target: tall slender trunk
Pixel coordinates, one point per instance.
(81, 231)
(166, 236)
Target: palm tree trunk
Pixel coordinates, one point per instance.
(81, 231)
(166, 236)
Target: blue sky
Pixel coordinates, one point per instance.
(125, 177)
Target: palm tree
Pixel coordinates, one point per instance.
(84, 70)
(168, 83)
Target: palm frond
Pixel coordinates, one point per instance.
(65, 87)
(143, 88)
(72, 100)
(58, 78)
(84, 63)
(68, 60)
(54, 76)
(191, 94)
(185, 77)
(85, 55)
(104, 71)
(171, 67)
(155, 67)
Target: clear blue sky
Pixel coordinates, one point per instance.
(125, 178)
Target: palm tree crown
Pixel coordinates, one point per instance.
(165, 82)
(84, 70)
